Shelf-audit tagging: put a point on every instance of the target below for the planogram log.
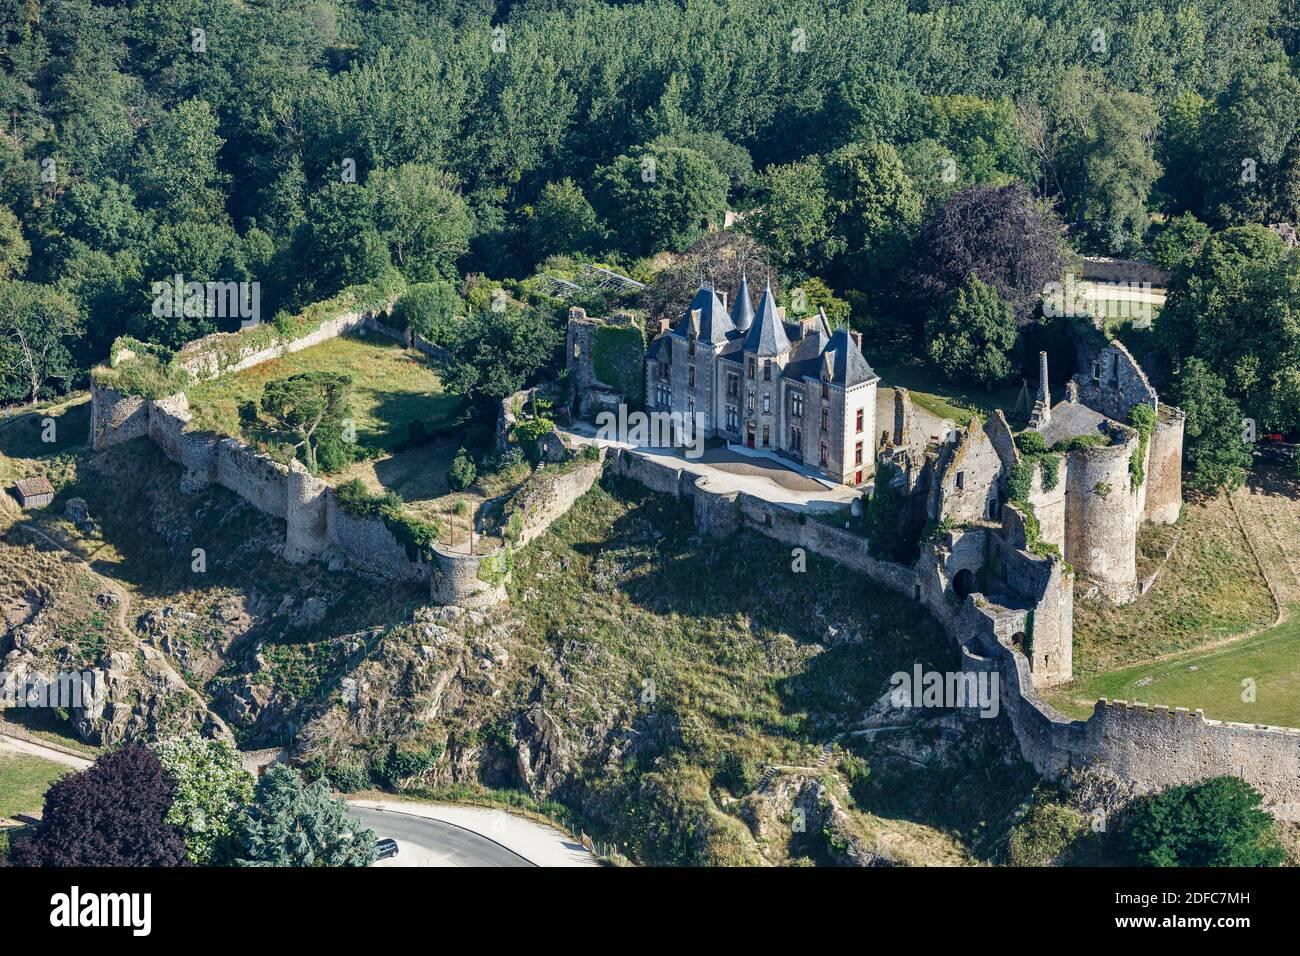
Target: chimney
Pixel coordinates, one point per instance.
(664, 326)
(857, 339)
(723, 297)
(1043, 395)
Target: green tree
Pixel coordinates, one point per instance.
(212, 788)
(38, 327)
(291, 823)
(1179, 241)
(430, 308)
(876, 207)
(1251, 166)
(562, 221)
(660, 199)
(462, 472)
(793, 217)
(14, 249)
(1218, 822)
(178, 165)
(339, 245)
(305, 404)
(494, 353)
(1236, 305)
(422, 219)
(1217, 455)
(971, 335)
(1108, 165)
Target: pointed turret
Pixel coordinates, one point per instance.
(767, 336)
(706, 317)
(742, 313)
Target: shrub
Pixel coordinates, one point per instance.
(1049, 469)
(1020, 483)
(1044, 833)
(1031, 443)
(348, 777)
(1217, 822)
(462, 472)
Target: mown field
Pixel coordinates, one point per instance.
(24, 780)
(392, 388)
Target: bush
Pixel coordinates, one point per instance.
(1217, 822)
(348, 778)
(1044, 833)
(1031, 443)
(462, 472)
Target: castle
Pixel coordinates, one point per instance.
(795, 389)
(1007, 512)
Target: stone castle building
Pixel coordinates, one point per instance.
(797, 390)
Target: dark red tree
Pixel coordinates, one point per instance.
(111, 814)
(1002, 234)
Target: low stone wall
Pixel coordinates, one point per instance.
(220, 354)
(546, 497)
(1101, 269)
(115, 417)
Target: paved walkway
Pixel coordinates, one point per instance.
(760, 477)
(13, 744)
(537, 843)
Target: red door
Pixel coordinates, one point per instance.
(749, 436)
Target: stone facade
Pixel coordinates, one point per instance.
(752, 378)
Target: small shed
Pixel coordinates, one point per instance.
(34, 492)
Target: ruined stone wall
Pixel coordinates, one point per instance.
(220, 354)
(467, 580)
(366, 543)
(1049, 505)
(968, 479)
(1101, 269)
(1110, 380)
(1164, 469)
(547, 496)
(1102, 516)
(115, 417)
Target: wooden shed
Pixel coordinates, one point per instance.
(34, 492)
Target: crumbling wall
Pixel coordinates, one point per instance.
(547, 496)
(1110, 380)
(968, 482)
(1164, 470)
(467, 580)
(115, 418)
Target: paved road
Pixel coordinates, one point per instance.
(16, 745)
(425, 842)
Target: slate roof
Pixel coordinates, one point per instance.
(767, 336)
(742, 313)
(849, 366)
(712, 324)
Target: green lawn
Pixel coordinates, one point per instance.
(1210, 680)
(24, 780)
(391, 388)
(27, 437)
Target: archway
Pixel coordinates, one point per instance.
(964, 583)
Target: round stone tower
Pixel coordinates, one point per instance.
(1101, 518)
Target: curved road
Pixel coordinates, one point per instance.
(425, 842)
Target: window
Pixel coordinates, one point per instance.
(690, 406)
(961, 480)
(733, 418)
(826, 392)
(1096, 372)
(750, 401)
(857, 453)
(826, 420)
(663, 371)
(796, 404)
(692, 376)
(767, 403)
(861, 413)
(796, 439)
(690, 345)
(826, 455)
(751, 369)
(663, 395)
(767, 370)
(767, 435)
(733, 385)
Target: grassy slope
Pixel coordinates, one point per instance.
(1211, 680)
(390, 389)
(735, 645)
(24, 780)
(1209, 592)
